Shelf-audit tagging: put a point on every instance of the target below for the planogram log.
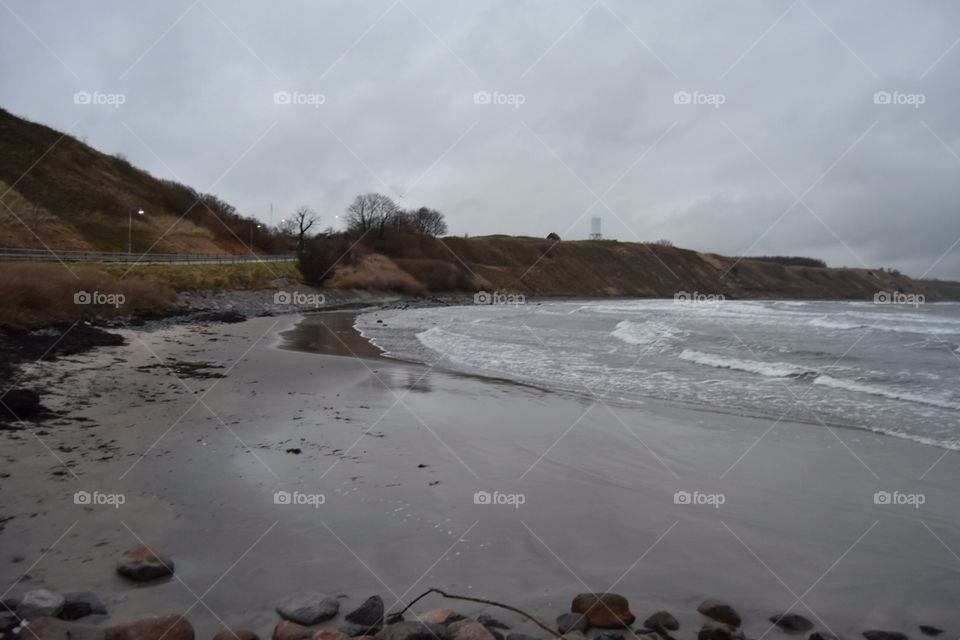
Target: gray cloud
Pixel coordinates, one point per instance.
(597, 81)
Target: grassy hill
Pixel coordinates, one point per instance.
(64, 194)
(611, 268)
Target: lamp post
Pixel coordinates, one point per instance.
(130, 229)
(252, 226)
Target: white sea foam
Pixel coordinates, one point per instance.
(886, 392)
(647, 333)
(769, 369)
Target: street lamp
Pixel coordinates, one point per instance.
(130, 228)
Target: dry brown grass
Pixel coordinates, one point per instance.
(200, 277)
(441, 275)
(34, 294)
(377, 272)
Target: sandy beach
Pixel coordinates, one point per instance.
(198, 428)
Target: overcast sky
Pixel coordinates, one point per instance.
(733, 127)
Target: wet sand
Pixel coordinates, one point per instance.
(399, 451)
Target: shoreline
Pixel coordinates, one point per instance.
(639, 400)
(598, 498)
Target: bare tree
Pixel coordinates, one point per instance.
(301, 222)
(429, 221)
(371, 212)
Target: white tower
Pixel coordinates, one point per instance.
(595, 228)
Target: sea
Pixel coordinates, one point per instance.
(890, 368)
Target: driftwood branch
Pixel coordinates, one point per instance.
(553, 632)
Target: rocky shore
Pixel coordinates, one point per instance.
(42, 614)
(20, 346)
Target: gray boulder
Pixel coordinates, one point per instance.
(792, 622)
(720, 611)
(309, 609)
(572, 622)
(40, 603)
(662, 619)
(80, 604)
(368, 614)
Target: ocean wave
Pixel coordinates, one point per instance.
(647, 333)
(769, 369)
(885, 392)
(824, 323)
(886, 323)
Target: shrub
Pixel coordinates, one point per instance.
(321, 255)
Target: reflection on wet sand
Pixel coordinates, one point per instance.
(328, 333)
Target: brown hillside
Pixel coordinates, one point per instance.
(610, 268)
(64, 194)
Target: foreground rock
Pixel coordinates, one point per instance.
(141, 564)
(81, 604)
(572, 622)
(40, 603)
(20, 404)
(170, 627)
(792, 622)
(469, 630)
(359, 630)
(719, 611)
(330, 634)
(884, 635)
(611, 635)
(413, 631)
(368, 614)
(822, 635)
(309, 608)
(927, 630)
(662, 620)
(54, 629)
(239, 634)
(286, 630)
(603, 610)
(440, 616)
(719, 632)
(491, 623)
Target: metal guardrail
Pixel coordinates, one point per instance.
(42, 255)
